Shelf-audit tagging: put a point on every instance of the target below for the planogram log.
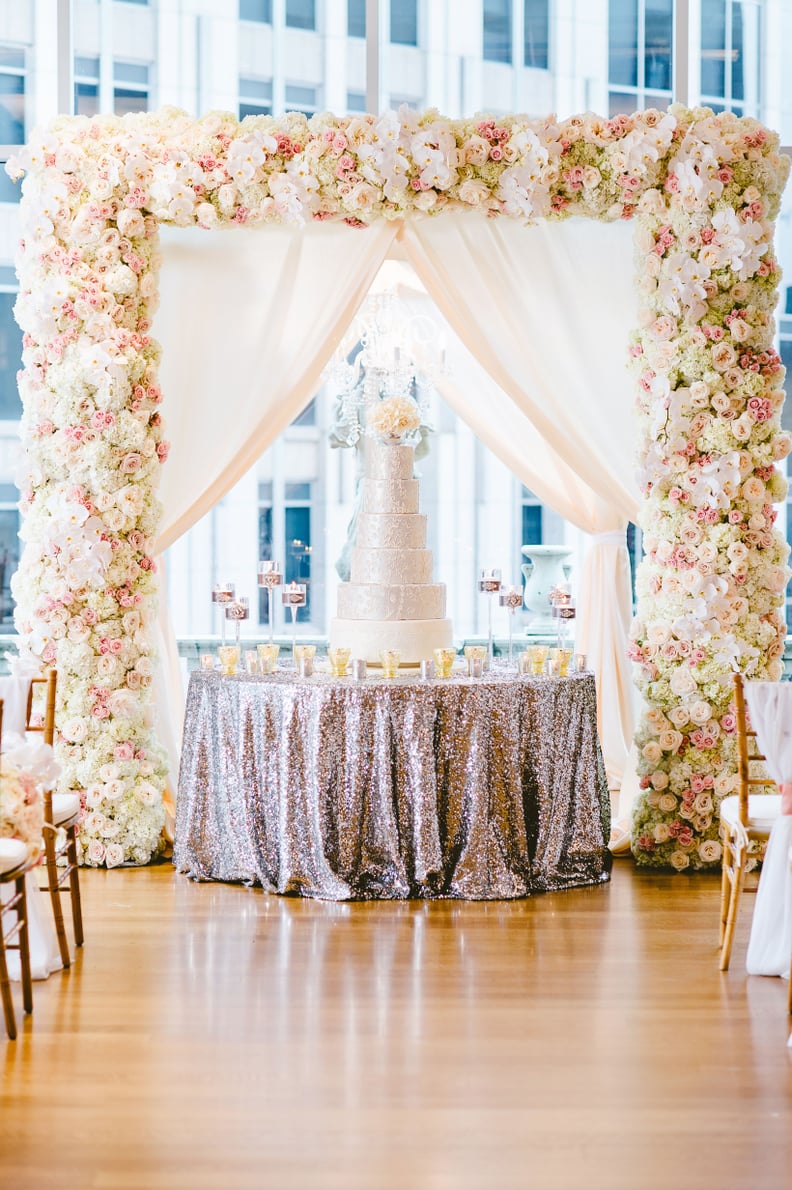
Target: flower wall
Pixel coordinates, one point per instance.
(704, 189)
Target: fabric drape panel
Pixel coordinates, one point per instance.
(604, 588)
(247, 321)
(522, 299)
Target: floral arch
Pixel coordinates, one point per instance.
(704, 191)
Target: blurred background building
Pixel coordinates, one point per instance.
(461, 56)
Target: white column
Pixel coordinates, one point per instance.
(335, 57)
(106, 103)
(680, 78)
(278, 51)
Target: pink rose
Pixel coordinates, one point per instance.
(131, 462)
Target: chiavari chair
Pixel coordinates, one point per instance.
(61, 821)
(745, 818)
(15, 862)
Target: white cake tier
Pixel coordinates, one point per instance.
(365, 601)
(390, 566)
(384, 461)
(414, 639)
(390, 495)
(391, 531)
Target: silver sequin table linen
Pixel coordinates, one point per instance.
(479, 789)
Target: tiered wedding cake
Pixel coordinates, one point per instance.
(390, 601)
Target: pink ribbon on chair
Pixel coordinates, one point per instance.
(786, 797)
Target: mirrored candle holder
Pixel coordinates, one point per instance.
(511, 598)
(561, 658)
(222, 594)
(475, 654)
(524, 665)
(490, 583)
(444, 662)
(358, 668)
(268, 657)
(427, 670)
(551, 668)
(294, 596)
(269, 577)
(251, 662)
(579, 663)
(207, 662)
(229, 659)
(237, 611)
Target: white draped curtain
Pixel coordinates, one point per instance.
(249, 318)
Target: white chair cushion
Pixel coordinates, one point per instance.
(13, 853)
(64, 807)
(763, 809)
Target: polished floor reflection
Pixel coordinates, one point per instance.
(211, 1036)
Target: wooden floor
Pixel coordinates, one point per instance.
(212, 1036)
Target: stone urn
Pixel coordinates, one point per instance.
(547, 567)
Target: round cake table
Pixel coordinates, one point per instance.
(474, 788)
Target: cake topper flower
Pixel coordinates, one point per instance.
(395, 417)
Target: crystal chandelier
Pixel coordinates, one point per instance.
(398, 357)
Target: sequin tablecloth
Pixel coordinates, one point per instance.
(470, 788)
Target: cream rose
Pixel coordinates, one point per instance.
(679, 861)
(667, 803)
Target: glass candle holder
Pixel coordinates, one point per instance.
(229, 659)
(490, 584)
(444, 662)
(208, 661)
(268, 657)
(339, 661)
(511, 598)
(562, 657)
(269, 577)
(304, 659)
(390, 659)
(538, 656)
(579, 662)
(294, 596)
(223, 593)
(237, 611)
(251, 662)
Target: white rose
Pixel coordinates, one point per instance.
(75, 731)
(710, 851)
(682, 682)
(114, 855)
(651, 752)
(700, 712)
(661, 832)
(679, 860)
(667, 803)
(659, 780)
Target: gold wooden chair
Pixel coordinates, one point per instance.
(15, 862)
(61, 820)
(744, 819)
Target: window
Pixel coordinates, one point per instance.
(12, 96)
(9, 551)
(255, 97)
(537, 20)
(356, 18)
(730, 55)
(404, 22)
(308, 415)
(86, 86)
(265, 546)
(301, 99)
(297, 526)
(640, 38)
(355, 101)
(130, 88)
(497, 31)
(531, 519)
(10, 349)
(301, 14)
(256, 10)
